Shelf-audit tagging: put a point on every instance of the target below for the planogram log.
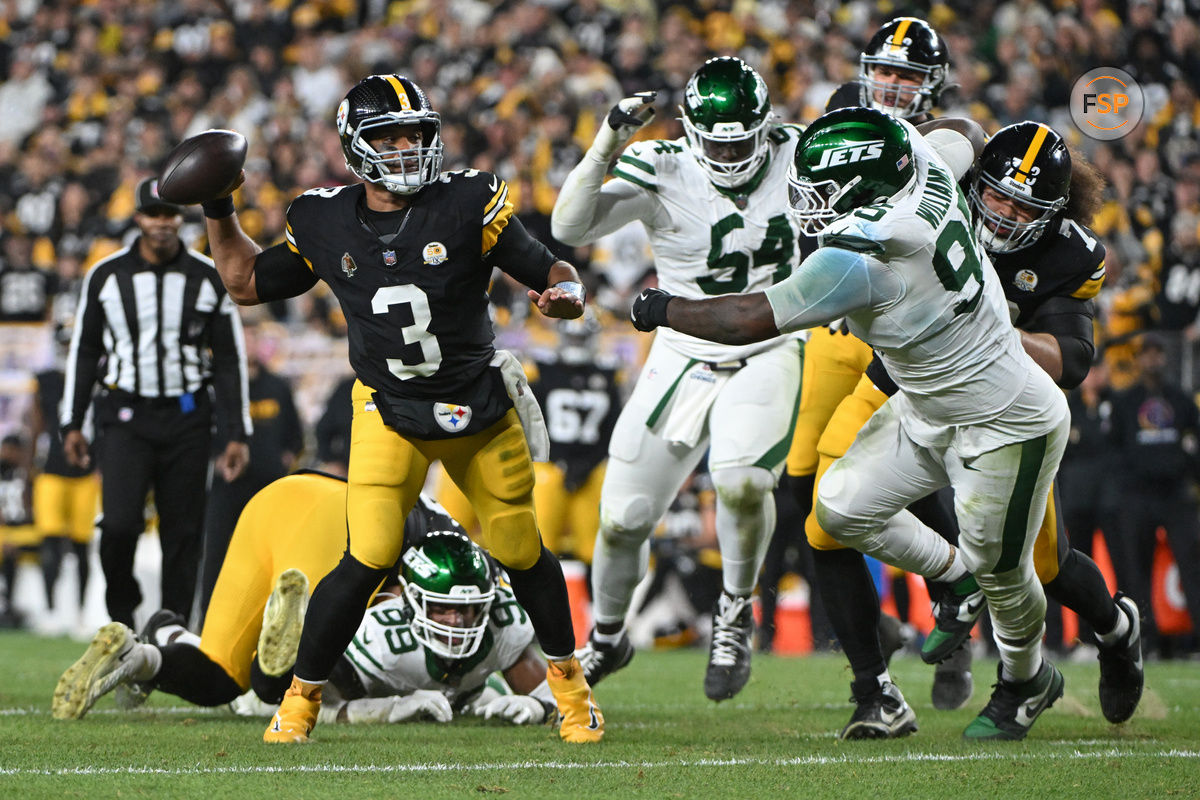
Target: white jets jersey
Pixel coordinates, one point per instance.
(389, 660)
(708, 241)
(945, 336)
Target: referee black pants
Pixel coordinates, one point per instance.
(152, 444)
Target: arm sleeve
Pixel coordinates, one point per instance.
(229, 373)
(1070, 321)
(280, 273)
(831, 283)
(521, 255)
(587, 208)
(83, 359)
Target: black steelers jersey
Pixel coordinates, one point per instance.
(416, 306)
(581, 403)
(1068, 261)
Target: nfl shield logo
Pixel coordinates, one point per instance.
(451, 416)
(389, 258)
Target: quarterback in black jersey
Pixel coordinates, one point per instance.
(409, 253)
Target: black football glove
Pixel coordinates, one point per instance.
(622, 122)
(650, 309)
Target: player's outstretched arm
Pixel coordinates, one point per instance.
(233, 251)
(564, 297)
(587, 207)
(831, 283)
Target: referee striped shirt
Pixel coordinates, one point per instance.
(157, 331)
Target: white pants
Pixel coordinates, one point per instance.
(1000, 499)
(746, 427)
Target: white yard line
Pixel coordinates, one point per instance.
(803, 761)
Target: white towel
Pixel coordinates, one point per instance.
(517, 386)
(683, 420)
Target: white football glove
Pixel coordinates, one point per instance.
(519, 709)
(622, 122)
(421, 703)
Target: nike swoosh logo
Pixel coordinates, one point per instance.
(495, 183)
(1028, 712)
(595, 723)
(974, 608)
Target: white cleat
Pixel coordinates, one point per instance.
(114, 657)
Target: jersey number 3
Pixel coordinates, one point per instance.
(416, 333)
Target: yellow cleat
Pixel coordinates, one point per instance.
(297, 714)
(581, 720)
(283, 620)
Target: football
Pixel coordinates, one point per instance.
(202, 167)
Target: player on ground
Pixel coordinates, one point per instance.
(408, 253)
(714, 205)
(449, 613)
(897, 258)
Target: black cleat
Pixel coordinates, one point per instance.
(601, 660)
(952, 684)
(1015, 706)
(729, 652)
(881, 712)
(1121, 675)
(954, 613)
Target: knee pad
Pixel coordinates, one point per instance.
(835, 525)
(742, 489)
(626, 521)
(512, 538)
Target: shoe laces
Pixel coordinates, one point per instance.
(729, 634)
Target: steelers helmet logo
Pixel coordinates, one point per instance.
(343, 114)
(434, 253)
(451, 416)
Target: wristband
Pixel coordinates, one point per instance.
(574, 287)
(220, 208)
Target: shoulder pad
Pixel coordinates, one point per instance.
(638, 164)
(1078, 252)
(478, 187)
(850, 232)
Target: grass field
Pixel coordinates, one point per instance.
(664, 740)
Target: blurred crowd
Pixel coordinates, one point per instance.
(95, 93)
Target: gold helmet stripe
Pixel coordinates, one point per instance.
(401, 95)
(898, 36)
(1034, 147)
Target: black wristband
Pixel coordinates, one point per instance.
(220, 208)
(654, 309)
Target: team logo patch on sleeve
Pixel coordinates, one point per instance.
(348, 265)
(1026, 280)
(434, 253)
(451, 416)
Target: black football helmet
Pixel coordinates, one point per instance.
(378, 101)
(1028, 164)
(910, 44)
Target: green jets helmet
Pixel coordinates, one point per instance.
(449, 585)
(847, 159)
(726, 117)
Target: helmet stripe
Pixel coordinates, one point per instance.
(401, 95)
(1031, 153)
(898, 36)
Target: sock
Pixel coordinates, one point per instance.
(84, 568)
(1080, 587)
(852, 604)
(153, 658)
(955, 571)
(1119, 631)
(269, 688)
(607, 639)
(334, 613)
(188, 673)
(51, 552)
(542, 592)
